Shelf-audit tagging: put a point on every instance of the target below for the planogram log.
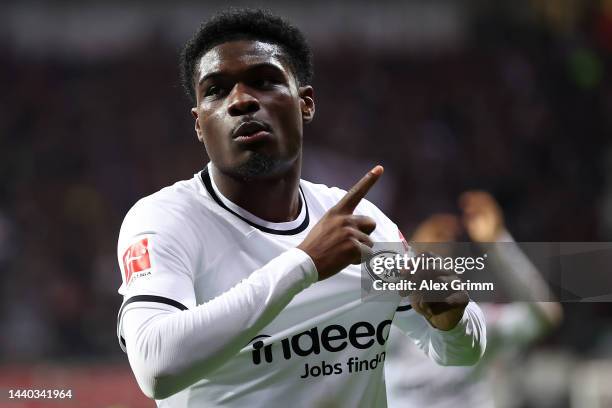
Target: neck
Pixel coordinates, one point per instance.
(274, 199)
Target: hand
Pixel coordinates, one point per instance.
(442, 308)
(482, 216)
(338, 239)
(438, 228)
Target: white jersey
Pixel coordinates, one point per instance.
(221, 309)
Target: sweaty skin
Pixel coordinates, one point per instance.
(243, 81)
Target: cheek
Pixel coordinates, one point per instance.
(212, 127)
(291, 116)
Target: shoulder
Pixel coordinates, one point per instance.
(386, 230)
(172, 210)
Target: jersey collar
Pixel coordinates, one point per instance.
(279, 228)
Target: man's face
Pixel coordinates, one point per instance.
(249, 110)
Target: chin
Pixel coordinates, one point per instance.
(258, 165)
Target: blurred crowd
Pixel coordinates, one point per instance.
(521, 110)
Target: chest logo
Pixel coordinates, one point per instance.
(333, 338)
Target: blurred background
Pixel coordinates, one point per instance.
(511, 97)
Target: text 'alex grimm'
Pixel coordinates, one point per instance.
(431, 285)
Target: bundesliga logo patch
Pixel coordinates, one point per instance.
(136, 260)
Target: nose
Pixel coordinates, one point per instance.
(241, 101)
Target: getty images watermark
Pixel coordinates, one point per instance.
(390, 270)
(394, 271)
(492, 272)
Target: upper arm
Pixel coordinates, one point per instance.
(157, 257)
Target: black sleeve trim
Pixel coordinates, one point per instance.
(403, 308)
(150, 298)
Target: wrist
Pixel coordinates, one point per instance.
(308, 264)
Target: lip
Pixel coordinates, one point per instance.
(251, 131)
(250, 128)
(253, 137)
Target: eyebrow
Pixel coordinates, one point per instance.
(251, 68)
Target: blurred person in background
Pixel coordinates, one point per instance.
(414, 381)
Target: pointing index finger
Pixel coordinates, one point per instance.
(351, 199)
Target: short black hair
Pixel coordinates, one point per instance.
(246, 24)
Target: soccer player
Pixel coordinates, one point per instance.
(511, 326)
(242, 285)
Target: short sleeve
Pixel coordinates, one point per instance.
(154, 264)
(157, 255)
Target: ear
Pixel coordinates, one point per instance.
(198, 129)
(307, 104)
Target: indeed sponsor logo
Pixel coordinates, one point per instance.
(333, 338)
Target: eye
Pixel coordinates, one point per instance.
(213, 90)
(264, 83)
(217, 90)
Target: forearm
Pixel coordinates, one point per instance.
(524, 282)
(169, 351)
(518, 274)
(463, 345)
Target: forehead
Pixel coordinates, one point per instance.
(238, 55)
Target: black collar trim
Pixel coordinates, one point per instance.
(205, 176)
